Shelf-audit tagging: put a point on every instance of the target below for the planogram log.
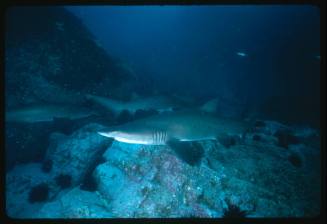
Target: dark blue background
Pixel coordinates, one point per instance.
(193, 49)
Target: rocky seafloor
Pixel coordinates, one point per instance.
(51, 57)
(275, 172)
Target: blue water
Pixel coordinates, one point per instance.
(259, 64)
(196, 48)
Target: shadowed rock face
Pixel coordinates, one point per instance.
(39, 193)
(299, 109)
(20, 137)
(51, 56)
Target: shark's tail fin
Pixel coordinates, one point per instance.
(210, 106)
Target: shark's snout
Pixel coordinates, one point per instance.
(128, 137)
(105, 134)
(109, 133)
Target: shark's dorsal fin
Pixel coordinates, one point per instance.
(210, 106)
(135, 96)
(189, 152)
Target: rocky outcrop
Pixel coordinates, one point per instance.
(76, 203)
(68, 160)
(52, 57)
(73, 155)
(150, 181)
(255, 178)
(19, 183)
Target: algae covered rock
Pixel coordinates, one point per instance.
(141, 181)
(76, 203)
(151, 181)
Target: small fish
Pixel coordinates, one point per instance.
(241, 54)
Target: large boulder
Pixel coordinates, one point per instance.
(151, 181)
(76, 203)
(74, 155)
(68, 161)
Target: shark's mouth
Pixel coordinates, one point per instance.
(105, 134)
(132, 141)
(125, 139)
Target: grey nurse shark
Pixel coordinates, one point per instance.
(161, 103)
(175, 128)
(47, 112)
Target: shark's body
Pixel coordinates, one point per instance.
(43, 113)
(181, 126)
(159, 103)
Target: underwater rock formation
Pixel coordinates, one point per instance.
(20, 183)
(151, 181)
(52, 57)
(239, 173)
(39, 193)
(27, 143)
(76, 203)
(148, 181)
(74, 154)
(64, 181)
(70, 156)
(302, 108)
(46, 166)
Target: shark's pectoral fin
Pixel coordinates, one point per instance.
(228, 140)
(189, 152)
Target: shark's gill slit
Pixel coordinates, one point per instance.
(161, 137)
(155, 137)
(160, 140)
